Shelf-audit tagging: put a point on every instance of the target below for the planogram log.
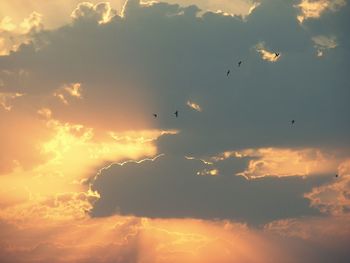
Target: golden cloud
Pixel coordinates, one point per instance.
(194, 106)
(283, 162)
(333, 198)
(314, 9)
(267, 55)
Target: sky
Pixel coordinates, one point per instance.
(95, 166)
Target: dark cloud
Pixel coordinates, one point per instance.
(170, 187)
(159, 56)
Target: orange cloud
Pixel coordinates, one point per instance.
(130, 239)
(333, 198)
(314, 9)
(63, 158)
(121, 239)
(267, 55)
(12, 34)
(284, 162)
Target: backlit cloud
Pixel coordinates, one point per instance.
(194, 106)
(314, 9)
(333, 198)
(267, 55)
(207, 191)
(101, 12)
(288, 162)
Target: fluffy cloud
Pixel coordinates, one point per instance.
(102, 12)
(12, 35)
(314, 9)
(267, 55)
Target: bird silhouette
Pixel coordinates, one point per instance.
(336, 175)
(228, 73)
(239, 63)
(276, 55)
(155, 115)
(292, 122)
(176, 113)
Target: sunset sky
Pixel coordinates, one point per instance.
(89, 174)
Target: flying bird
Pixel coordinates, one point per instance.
(176, 113)
(155, 115)
(293, 121)
(277, 55)
(239, 63)
(336, 175)
(228, 73)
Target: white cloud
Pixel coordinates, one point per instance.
(323, 43)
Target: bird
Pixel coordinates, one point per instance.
(155, 115)
(239, 63)
(276, 55)
(228, 73)
(293, 121)
(176, 113)
(336, 175)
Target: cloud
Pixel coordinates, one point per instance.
(267, 55)
(13, 35)
(101, 12)
(73, 90)
(7, 24)
(323, 43)
(33, 22)
(157, 57)
(137, 59)
(173, 186)
(334, 197)
(129, 239)
(314, 9)
(288, 162)
(194, 106)
(133, 65)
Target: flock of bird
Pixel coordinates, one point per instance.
(176, 113)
